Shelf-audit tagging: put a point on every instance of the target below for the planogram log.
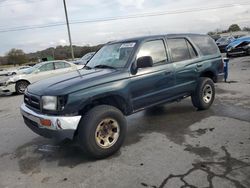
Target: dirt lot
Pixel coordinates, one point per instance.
(167, 146)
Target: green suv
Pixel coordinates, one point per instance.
(122, 78)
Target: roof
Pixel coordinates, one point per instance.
(140, 38)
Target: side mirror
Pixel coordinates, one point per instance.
(144, 61)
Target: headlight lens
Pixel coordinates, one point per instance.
(49, 102)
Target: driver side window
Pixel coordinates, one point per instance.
(156, 49)
(47, 67)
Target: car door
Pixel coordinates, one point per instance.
(45, 71)
(184, 58)
(153, 84)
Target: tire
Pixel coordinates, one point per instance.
(248, 52)
(204, 94)
(21, 86)
(93, 127)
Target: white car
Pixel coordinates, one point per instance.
(17, 70)
(18, 83)
(3, 72)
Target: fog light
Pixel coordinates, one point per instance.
(45, 122)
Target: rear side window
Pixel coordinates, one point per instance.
(67, 65)
(59, 65)
(181, 49)
(155, 49)
(206, 44)
(47, 67)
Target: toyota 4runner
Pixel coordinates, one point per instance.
(122, 78)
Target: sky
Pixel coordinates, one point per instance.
(19, 13)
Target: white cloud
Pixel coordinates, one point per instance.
(62, 42)
(51, 11)
(132, 3)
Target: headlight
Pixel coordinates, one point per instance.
(49, 103)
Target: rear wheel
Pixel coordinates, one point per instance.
(102, 131)
(204, 94)
(21, 86)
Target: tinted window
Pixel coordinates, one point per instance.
(155, 49)
(206, 44)
(47, 67)
(192, 52)
(179, 49)
(115, 55)
(67, 65)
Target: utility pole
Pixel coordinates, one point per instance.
(67, 21)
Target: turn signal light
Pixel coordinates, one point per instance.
(45, 122)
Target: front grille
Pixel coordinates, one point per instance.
(32, 101)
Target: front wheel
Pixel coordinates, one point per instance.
(203, 96)
(102, 131)
(21, 86)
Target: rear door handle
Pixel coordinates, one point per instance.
(199, 65)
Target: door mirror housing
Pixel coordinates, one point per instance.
(144, 61)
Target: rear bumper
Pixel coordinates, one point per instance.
(220, 77)
(62, 127)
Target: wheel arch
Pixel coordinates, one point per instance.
(209, 74)
(114, 100)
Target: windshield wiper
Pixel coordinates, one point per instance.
(87, 67)
(104, 67)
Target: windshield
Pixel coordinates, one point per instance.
(87, 56)
(112, 55)
(222, 39)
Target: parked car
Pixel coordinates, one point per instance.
(3, 72)
(223, 42)
(84, 60)
(123, 78)
(241, 46)
(17, 70)
(18, 83)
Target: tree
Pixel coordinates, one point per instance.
(246, 29)
(234, 27)
(16, 56)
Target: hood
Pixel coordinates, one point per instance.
(238, 42)
(74, 81)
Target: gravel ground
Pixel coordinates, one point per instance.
(167, 146)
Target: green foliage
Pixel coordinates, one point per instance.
(246, 29)
(63, 52)
(234, 27)
(16, 56)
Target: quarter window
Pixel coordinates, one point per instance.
(155, 49)
(206, 44)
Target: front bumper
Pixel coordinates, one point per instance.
(9, 88)
(61, 127)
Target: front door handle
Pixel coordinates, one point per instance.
(199, 65)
